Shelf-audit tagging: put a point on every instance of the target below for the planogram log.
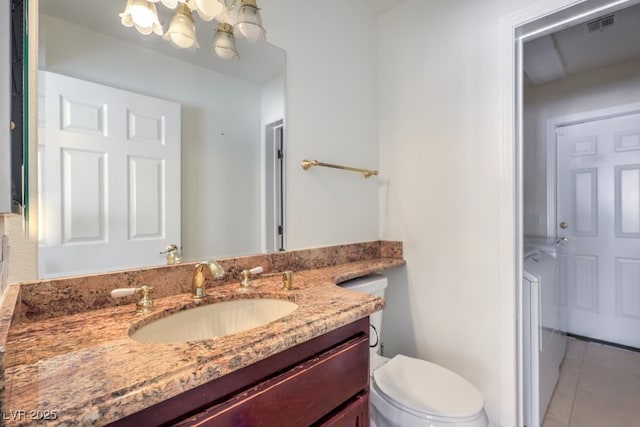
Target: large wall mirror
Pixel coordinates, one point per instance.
(114, 188)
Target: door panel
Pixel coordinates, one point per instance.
(84, 196)
(584, 269)
(585, 199)
(628, 287)
(110, 193)
(598, 200)
(628, 201)
(146, 198)
(83, 117)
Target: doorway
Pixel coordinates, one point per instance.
(597, 191)
(536, 213)
(274, 187)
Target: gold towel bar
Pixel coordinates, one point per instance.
(306, 164)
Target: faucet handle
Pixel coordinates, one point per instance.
(173, 254)
(287, 278)
(256, 270)
(144, 305)
(122, 292)
(246, 276)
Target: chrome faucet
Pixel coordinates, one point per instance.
(198, 276)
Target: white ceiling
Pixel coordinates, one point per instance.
(578, 49)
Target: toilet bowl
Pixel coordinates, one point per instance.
(408, 392)
(411, 392)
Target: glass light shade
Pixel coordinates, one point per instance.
(249, 22)
(171, 4)
(224, 44)
(125, 16)
(182, 31)
(207, 9)
(142, 15)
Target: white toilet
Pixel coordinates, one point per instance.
(408, 392)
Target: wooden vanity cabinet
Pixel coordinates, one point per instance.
(322, 382)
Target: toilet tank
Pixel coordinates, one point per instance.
(373, 284)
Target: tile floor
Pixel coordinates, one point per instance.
(599, 386)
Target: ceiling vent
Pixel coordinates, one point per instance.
(600, 24)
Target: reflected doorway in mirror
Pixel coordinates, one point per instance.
(274, 187)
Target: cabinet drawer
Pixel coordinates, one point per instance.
(298, 397)
(353, 414)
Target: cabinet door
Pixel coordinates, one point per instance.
(299, 397)
(354, 414)
(240, 385)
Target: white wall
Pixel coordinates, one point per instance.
(440, 161)
(220, 131)
(597, 89)
(272, 101)
(331, 116)
(273, 110)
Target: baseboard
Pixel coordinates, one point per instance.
(611, 344)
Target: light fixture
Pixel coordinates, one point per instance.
(207, 9)
(171, 4)
(142, 14)
(250, 22)
(224, 44)
(182, 31)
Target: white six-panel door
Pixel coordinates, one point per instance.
(598, 209)
(109, 176)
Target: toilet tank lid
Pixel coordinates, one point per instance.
(423, 387)
(368, 284)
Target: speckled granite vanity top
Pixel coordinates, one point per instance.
(82, 366)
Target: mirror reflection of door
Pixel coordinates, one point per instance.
(274, 186)
(109, 190)
(225, 108)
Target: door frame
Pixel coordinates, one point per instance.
(551, 146)
(274, 180)
(549, 15)
(5, 109)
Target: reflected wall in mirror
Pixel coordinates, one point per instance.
(229, 123)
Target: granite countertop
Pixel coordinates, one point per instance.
(85, 369)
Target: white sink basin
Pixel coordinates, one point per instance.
(214, 320)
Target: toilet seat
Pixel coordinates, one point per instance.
(425, 389)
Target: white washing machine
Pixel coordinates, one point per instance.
(545, 327)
